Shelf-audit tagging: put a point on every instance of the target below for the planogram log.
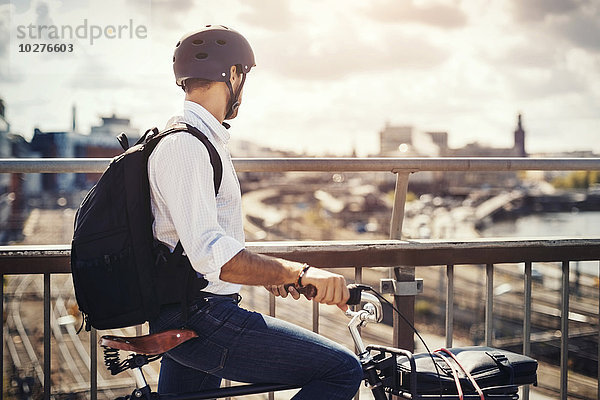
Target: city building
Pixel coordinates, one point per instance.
(395, 139)
(101, 143)
(58, 144)
(476, 149)
(102, 140)
(15, 189)
(5, 179)
(405, 141)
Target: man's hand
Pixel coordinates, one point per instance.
(280, 290)
(250, 268)
(331, 288)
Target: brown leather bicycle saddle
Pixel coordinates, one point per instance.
(154, 344)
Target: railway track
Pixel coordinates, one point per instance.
(28, 373)
(70, 371)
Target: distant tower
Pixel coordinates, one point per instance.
(74, 122)
(519, 147)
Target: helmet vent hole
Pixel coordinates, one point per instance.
(178, 43)
(198, 42)
(221, 42)
(173, 58)
(201, 56)
(208, 26)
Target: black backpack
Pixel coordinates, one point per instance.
(121, 274)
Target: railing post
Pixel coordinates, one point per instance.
(315, 319)
(449, 304)
(564, 330)
(527, 320)
(47, 335)
(2, 335)
(357, 279)
(93, 364)
(399, 204)
(403, 335)
(272, 306)
(489, 305)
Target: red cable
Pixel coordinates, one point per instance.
(454, 374)
(473, 382)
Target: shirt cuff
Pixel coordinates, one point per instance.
(222, 250)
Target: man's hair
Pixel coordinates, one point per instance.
(191, 84)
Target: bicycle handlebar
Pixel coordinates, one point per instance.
(354, 289)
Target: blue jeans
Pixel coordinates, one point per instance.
(246, 346)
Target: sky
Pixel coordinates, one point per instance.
(329, 74)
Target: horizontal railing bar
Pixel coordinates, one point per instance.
(345, 254)
(383, 164)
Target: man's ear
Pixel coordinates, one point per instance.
(233, 74)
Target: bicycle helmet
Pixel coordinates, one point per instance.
(209, 54)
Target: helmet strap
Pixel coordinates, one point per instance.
(234, 98)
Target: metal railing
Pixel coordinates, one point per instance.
(383, 164)
(391, 253)
(402, 257)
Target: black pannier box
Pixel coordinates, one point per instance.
(490, 367)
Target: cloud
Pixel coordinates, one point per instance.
(436, 14)
(169, 6)
(538, 10)
(583, 31)
(20, 5)
(526, 55)
(4, 32)
(268, 14)
(5, 76)
(166, 14)
(335, 55)
(534, 84)
(94, 73)
(575, 21)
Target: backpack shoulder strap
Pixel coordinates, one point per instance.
(217, 164)
(215, 161)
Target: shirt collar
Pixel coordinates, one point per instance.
(198, 116)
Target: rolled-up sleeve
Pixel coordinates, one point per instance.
(181, 181)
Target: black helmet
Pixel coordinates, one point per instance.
(209, 54)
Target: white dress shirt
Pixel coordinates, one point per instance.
(183, 197)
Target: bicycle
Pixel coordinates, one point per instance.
(388, 371)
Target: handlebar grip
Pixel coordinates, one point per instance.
(355, 291)
(311, 291)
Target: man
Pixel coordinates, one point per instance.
(211, 66)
